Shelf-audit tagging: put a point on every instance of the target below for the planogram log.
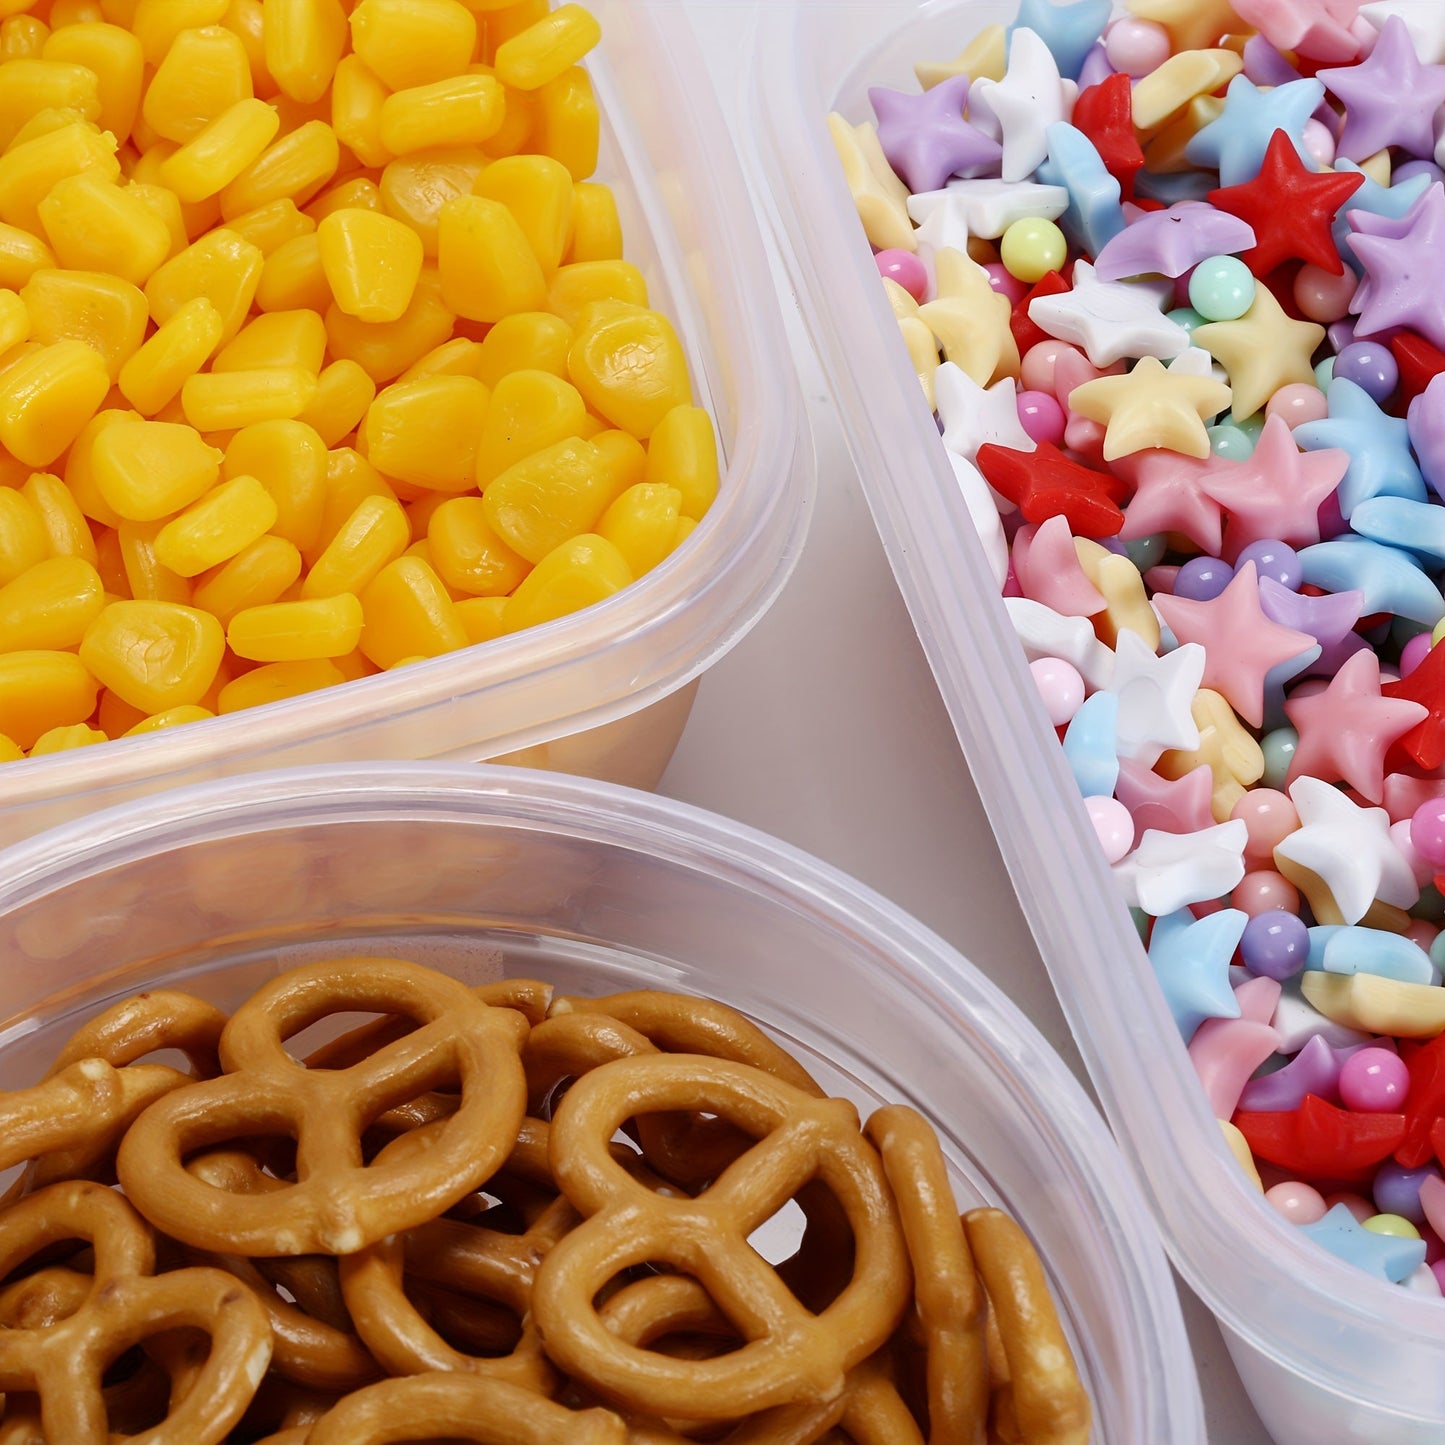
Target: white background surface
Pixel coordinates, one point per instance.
(824, 728)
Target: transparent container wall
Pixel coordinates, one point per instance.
(488, 871)
(1328, 1355)
(537, 696)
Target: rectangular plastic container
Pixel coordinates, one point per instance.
(490, 872)
(1327, 1354)
(603, 692)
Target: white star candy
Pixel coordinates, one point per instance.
(973, 414)
(1196, 361)
(1030, 98)
(1296, 1020)
(1424, 19)
(1042, 632)
(1155, 695)
(1168, 871)
(984, 208)
(1111, 320)
(1348, 848)
(978, 498)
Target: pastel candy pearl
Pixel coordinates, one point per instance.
(1202, 579)
(1032, 247)
(1269, 818)
(1374, 1081)
(1275, 944)
(1060, 687)
(1319, 144)
(1036, 371)
(1274, 559)
(1391, 1224)
(1221, 288)
(1412, 654)
(1322, 297)
(1397, 1189)
(1427, 832)
(1296, 1201)
(1298, 403)
(1113, 825)
(1371, 366)
(1006, 284)
(1041, 417)
(906, 269)
(1264, 891)
(1230, 442)
(1136, 46)
(1357, 1204)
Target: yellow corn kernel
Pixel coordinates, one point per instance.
(227, 400)
(43, 122)
(222, 267)
(462, 110)
(357, 96)
(297, 631)
(146, 470)
(66, 530)
(413, 42)
(461, 356)
(488, 269)
(372, 263)
(293, 167)
(158, 23)
(304, 40)
(80, 470)
(154, 655)
(47, 397)
(515, 134)
(166, 207)
(642, 525)
(21, 256)
(544, 50)
(246, 20)
(289, 460)
(65, 13)
(630, 367)
(205, 72)
(115, 57)
(350, 480)
(214, 157)
(95, 225)
(293, 278)
(506, 18)
(147, 577)
(682, 453)
(107, 314)
(408, 613)
(10, 750)
(28, 87)
(360, 193)
(596, 228)
(22, 37)
(414, 188)
(110, 564)
(24, 541)
(213, 530)
(67, 739)
(526, 341)
(40, 690)
(584, 283)
(577, 573)
(49, 605)
(196, 219)
(29, 170)
(384, 349)
(343, 393)
(529, 410)
(425, 432)
(468, 555)
(481, 618)
(269, 227)
(278, 338)
(554, 494)
(538, 192)
(178, 349)
(622, 457)
(256, 575)
(375, 534)
(14, 320)
(568, 126)
(276, 682)
(172, 717)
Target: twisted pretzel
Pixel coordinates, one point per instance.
(338, 1204)
(145, 1024)
(790, 1354)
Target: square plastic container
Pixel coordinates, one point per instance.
(1326, 1353)
(603, 692)
(489, 872)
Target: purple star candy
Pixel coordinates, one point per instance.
(926, 138)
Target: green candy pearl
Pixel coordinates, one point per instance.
(1221, 288)
(1231, 442)
(1146, 552)
(1325, 373)
(1187, 317)
(1279, 748)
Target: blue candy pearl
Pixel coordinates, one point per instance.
(1202, 579)
(1221, 288)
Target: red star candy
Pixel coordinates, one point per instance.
(1425, 742)
(1425, 1103)
(1105, 113)
(1420, 363)
(1290, 208)
(1044, 483)
(1026, 332)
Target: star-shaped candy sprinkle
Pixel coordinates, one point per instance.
(970, 319)
(1402, 280)
(981, 59)
(1241, 642)
(1262, 351)
(983, 512)
(1104, 112)
(1329, 618)
(1048, 569)
(926, 138)
(1377, 444)
(973, 415)
(1345, 730)
(1042, 632)
(1045, 483)
(1191, 961)
(1425, 742)
(1094, 214)
(986, 208)
(1317, 29)
(1383, 203)
(1171, 242)
(1418, 527)
(1235, 144)
(1291, 209)
(1026, 102)
(1111, 320)
(880, 198)
(1171, 496)
(1155, 696)
(1068, 29)
(1386, 1256)
(1151, 406)
(1424, 19)
(1342, 854)
(1390, 98)
(1390, 580)
(1167, 805)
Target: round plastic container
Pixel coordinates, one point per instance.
(488, 872)
(1326, 1353)
(604, 692)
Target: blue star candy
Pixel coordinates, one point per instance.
(1091, 746)
(1235, 142)
(1191, 961)
(1418, 527)
(1390, 580)
(1094, 216)
(1391, 202)
(1171, 187)
(1381, 462)
(1068, 30)
(1385, 1256)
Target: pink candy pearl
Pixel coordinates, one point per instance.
(1421, 933)
(1427, 831)
(1037, 370)
(906, 269)
(1136, 46)
(1269, 818)
(1298, 1202)
(1359, 1206)
(1412, 654)
(1374, 1081)
(1060, 686)
(1297, 403)
(1041, 416)
(1006, 284)
(1319, 143)
(1084, 436)
(1323, 297)
(1263, 890)
(1420, 867)
(1114, 826)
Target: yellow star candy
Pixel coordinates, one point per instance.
(1121, 585)
(1151, 406)
(1164, 154)
(1229, 749)
(1192, 24)
(922, 352)
(971, 319)
(881, 198)
(1166, 91)
(1262, 351)
(983, 58)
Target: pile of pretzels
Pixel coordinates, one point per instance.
(494, 1215)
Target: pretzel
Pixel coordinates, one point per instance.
(145, 1024)
(790, 1354)
(64, 1362)
(338, 1204)
(1044, 1402)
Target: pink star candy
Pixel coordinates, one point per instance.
(1345, 730)
(1316, 29)
(1167, 806)
(1275, 493)
(1047, 565)
(1241, 644)
(1172, 496)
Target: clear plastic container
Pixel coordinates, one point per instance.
(488, 872)
(1326, 1353)
(603, 692)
